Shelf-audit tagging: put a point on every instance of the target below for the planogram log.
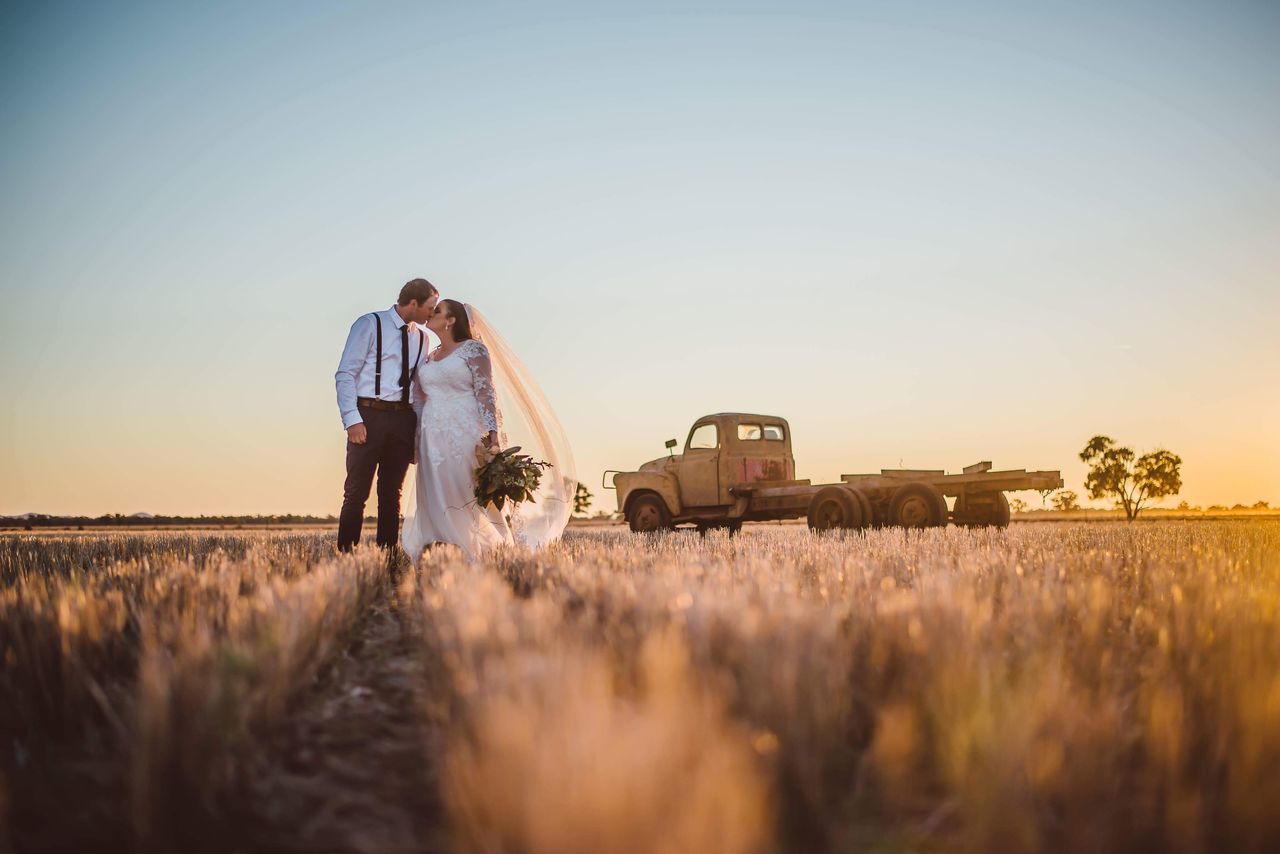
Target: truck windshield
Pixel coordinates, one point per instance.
(748, 432)
(704, 436)
(773, 432)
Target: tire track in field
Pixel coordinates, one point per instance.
(351, 771)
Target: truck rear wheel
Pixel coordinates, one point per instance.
(834, 507)
(917, 505)
(648, 513)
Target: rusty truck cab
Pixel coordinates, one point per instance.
(730, 449)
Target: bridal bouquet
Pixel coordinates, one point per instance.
(506, 476)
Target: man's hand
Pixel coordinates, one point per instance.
(357, 434)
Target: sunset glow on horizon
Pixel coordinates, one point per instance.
(925, 234)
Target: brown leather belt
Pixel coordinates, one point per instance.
(389, 405)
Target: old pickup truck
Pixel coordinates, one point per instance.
(739, 468)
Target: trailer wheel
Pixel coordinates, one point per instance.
(648, 513)
(1000, 513)
(990, 510)
(834, 507)
(917, 505)
(868, 509)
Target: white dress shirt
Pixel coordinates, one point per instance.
(355, 376)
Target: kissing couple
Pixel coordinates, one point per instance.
(430, 381)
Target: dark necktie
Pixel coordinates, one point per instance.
(404, 363)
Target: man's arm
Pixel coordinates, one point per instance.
(353, 356)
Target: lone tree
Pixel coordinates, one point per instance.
(1066, 500)
(1116, 472)
(581, 499)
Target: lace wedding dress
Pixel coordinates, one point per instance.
(460, 410)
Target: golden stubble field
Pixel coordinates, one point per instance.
(1052, 687)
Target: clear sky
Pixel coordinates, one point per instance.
(926, 233)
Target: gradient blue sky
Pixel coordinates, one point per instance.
(927, 233)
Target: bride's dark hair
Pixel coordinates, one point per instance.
(461, 323)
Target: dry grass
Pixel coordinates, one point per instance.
(560, 747)
(161, 659)
(1061, 687)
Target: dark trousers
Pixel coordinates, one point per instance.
(388, 451)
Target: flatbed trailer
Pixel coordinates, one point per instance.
(738, 468)
(895, 497)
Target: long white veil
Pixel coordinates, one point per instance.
(527, 420)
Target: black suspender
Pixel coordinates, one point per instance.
(422, 343)
(377, 371)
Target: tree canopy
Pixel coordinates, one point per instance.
(1117, 472)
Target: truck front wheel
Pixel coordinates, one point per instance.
(648, 513)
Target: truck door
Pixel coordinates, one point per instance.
(758, 452)
(699, 467)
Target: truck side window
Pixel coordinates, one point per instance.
(748, 432)
(704, 436)
(773, 432)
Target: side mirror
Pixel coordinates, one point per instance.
(671, 445)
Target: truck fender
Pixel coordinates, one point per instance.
(631, 483)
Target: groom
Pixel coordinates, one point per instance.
(374, 380)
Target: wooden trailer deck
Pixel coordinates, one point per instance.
(978, 477)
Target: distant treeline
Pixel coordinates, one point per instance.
(117, 520)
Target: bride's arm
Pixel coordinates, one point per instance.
(477, 359)
(417, 391)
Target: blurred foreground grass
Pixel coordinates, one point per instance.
(1056, 687)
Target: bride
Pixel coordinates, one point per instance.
(477, 392)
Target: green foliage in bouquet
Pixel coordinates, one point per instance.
(503, 476)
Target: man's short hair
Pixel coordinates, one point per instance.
(417, 289)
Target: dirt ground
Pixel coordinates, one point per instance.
(349, 773)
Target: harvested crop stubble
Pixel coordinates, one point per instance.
(220, 673)
(72, 608)
(148, 665)
(1083, 687)
(554, 747)
(1065, 687)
